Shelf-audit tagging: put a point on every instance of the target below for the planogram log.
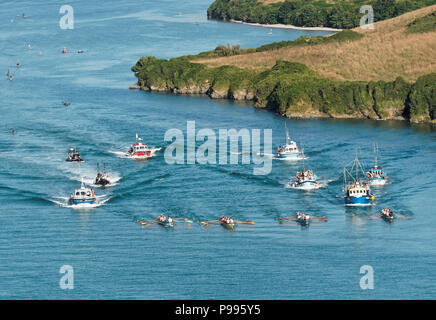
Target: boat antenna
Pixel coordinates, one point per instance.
(357, 169)
(376, 152)
(287, 133)
(302, 153)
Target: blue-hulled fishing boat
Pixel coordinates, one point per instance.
(357, 192)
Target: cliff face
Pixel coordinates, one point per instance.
(292, 90)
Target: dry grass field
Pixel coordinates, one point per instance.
(382, 54)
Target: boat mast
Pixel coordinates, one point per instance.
(376, 152)
(287, 133)
(357, 169)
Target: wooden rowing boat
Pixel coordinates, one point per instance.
(230, 226)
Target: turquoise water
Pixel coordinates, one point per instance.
(112, 255)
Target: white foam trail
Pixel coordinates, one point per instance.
(291, 159)
(324, 183)
(120, 154)
(321, 184)
(271, 155)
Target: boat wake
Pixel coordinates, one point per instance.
(274, 157)
(290, 159)
(120, 154)
(324, 183)
(321, 184)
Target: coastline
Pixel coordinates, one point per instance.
(286, 26)
(249, 99)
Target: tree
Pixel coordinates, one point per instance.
(384, 9)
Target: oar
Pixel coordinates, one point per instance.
(287, 218)
(377, 215)
(402, 216)
(209, 222)
(317, 218)
(183, 220)
(247, 221)
(289, 223)
(147, 224)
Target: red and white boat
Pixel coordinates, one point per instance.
(140, 151)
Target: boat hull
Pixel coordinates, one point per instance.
(230, 226)
(289, 156)
(102, 182)
(81, 201)
(387, 219)
(358, 201)
(166, 224)
(303, 222)
(306, 185)
(377, 182)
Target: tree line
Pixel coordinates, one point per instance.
(315, 13)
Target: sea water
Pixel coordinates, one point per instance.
(112, 255)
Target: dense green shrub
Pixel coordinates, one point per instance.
(423, 24)
(292, 88)
(312, 13)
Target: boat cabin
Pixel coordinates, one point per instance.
(289, 148)
(83, 192)
(139, 147)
